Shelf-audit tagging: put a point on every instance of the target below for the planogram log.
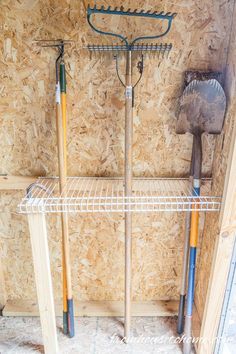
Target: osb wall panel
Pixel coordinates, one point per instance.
(200, 36)
(221, 154)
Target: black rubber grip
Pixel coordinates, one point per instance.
(180, 322)
(65, 323)
(71, 326)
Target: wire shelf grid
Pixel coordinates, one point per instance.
(95, 194)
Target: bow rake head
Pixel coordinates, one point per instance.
(168, 16)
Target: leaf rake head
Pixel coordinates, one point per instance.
(133, 46)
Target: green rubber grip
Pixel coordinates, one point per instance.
(62, 78)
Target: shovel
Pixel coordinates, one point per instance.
(202, 110)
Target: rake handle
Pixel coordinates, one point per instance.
(128, 189)
(62, 181)
(68, 316)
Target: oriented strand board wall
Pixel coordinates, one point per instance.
(221, 154)
(200, 37)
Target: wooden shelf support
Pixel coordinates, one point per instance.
(41, 261)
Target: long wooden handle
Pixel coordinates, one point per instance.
(70, 307)
(128, 192)
(62, 179)
(182, 297)
(193, 244)
(68, 313)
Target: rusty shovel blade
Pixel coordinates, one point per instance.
(202, 108)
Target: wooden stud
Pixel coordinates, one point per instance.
(41, 261)
(222, 258)
(3, 298)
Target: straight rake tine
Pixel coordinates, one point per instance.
(115, 48)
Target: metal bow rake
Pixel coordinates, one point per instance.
(129, 48)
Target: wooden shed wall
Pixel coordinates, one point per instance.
(200, 35)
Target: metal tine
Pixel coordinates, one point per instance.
(122, 11)
(136, 48)
(52, 42)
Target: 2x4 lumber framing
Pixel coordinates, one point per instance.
(222, 258)
(15, 182)
(42, 272)
(227, 223)
(2, 288)
(96, 308)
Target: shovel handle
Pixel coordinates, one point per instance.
(197, 166)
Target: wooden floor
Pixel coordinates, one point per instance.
(93, 335)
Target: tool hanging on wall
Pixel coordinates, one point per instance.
(182, 297)
(202, 109)
(129, 48)
(68, 311)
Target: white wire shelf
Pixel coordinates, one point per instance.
(95, 194)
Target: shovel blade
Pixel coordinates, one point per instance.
(202, 108)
